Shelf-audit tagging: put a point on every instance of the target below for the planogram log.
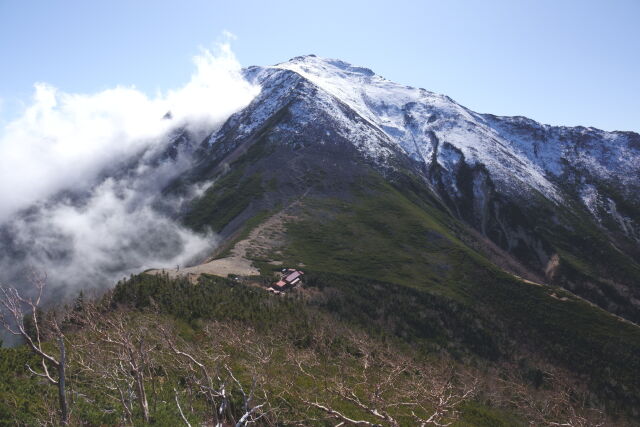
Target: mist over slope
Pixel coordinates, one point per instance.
(88, 190)
(81, 176)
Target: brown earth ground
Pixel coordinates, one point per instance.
(261, 240)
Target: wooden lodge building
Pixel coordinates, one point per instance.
(290, 279)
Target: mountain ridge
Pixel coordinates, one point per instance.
(326, 73)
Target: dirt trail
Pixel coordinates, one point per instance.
(262, 239)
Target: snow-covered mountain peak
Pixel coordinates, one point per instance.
(382, 102)
(360, 87)
(521, 156)
(420, 122)
(318, 65)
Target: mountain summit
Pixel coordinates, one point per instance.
(517, 152)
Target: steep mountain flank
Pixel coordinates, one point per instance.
(560, 202)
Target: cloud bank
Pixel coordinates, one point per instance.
(63, 140)
(80, 175)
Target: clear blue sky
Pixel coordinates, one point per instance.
(559, 62)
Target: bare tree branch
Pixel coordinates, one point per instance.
(180, 409)
(13, 303)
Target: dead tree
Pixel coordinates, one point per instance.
(383, 385)
(559, 404)
(251, 413)
(215, 383)
(15, 309)
(121, 358)
(184, 418)
(206, 384)
(107, 372)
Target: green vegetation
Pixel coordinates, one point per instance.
(231, 193)
(223, 201)
(391, 261)
(18, 388)
(590, 263)
(433, 279)
(303, 347)
(290, 347)
(382, 236)
(214, 298)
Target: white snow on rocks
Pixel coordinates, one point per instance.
(413, 117)
(523, 157)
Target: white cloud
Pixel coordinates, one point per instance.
(65, 139)
(115, 231)
(84, 227)
(228, 35)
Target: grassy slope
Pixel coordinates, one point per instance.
(385, 237)
(401, 236)
(591, 262)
